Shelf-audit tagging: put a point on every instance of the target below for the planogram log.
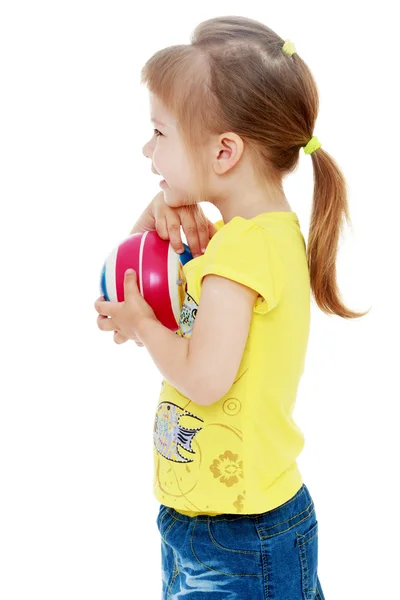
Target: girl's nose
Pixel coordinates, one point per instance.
(144, 150)
(148, 149)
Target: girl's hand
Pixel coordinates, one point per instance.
(124, 317)
(167, 222)
(121, 339)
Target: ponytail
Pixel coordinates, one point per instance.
(329, 210)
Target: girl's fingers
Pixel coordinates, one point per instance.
(197, 228)
(170, 229)
(194, 231)
(104, 323)
(161, 227)
(121, 339)
(118, 338)
(174, 232)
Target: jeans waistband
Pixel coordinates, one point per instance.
(269, 523)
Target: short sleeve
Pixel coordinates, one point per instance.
(246, 252)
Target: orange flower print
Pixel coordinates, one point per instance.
(227, 468)
(238, 504)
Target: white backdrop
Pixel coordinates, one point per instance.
(77, 514)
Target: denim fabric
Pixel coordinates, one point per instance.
(267, 556)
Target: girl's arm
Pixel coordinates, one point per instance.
(204, 367)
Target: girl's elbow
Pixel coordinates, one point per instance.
(208, 393)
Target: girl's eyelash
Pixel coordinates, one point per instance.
(157, 133)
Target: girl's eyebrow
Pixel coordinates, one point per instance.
(154, 120)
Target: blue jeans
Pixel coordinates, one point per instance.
(267, 556)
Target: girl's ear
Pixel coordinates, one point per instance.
(228, 151)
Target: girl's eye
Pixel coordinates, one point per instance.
(157, 133)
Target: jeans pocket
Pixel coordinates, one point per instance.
(228, 547)
(307, 543)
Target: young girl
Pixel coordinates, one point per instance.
(231, 112)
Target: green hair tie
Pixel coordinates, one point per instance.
(288, 48)
(312, 145)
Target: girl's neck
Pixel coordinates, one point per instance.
(238, 193)
(250, 210)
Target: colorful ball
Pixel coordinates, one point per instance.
(159, 272)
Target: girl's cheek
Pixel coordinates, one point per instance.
(157, 160)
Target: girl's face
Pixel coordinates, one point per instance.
(168, 156)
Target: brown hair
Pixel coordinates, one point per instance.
(235, 77)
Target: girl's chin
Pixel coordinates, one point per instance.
(172, 200)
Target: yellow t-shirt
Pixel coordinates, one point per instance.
(238, 455)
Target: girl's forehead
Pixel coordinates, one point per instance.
(159, 114)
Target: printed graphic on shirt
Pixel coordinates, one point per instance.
(187, 316)
(169, 434)
(225, 468)
(177, 475)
